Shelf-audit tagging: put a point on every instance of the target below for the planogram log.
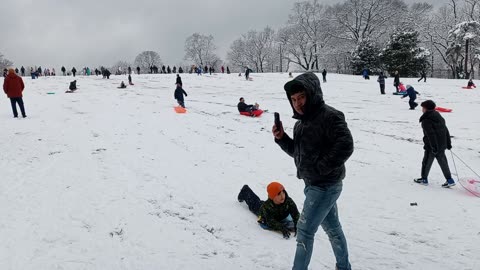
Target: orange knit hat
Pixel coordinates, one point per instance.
(273, 189)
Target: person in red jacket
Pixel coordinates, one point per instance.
(13, 87)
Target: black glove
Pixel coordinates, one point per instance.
(286, 233)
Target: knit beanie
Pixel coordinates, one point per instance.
(429, 105)
(273, 189)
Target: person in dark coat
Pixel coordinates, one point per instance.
(164, 70)
(436, 139)
(412, 94)
(223, 69)
(205, 70)
(228, 70)
(16, 71)
(72, 87)
(13, 87)
(179, 80)
(243, 107)
(324, 75)
(138, 70)
(22, 69)
(130, 79)
(74, 70)
(178, 95)
(63, 69)
(5, 72)
(129, 69)
(247, 73)
(321, 145)
(423, 76)
(122, 85)
(174, 69)
(278, 213)
(396, 80)
(381, 82)
(470, 84)
(180, 70)
(169, 70)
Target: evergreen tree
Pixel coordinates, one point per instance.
(366, 55)
(402, 53)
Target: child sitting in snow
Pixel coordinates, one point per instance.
(122, 85)
(471, 84)
(412, 94)
(279, 212)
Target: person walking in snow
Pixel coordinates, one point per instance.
(381, 82)
(320, 146)
(423, 76)
(13, 87)
(130, 79)
(247, 73)
(324, 75)
(412, 94)
(396, 80)
(223, 69)
(179, 80)
(63, 70)
(228, 70)
(278, 213)
(138, 70)
(74, 70)
(436, 139)
(178, 95)
(22, 69)
(129, 70)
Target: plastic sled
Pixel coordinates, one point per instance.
(255, 113)
(441, 109)
(468, 87)
(180, 109)
(471, 184)
(50, 93)
(399, 93)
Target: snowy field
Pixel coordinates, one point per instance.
(109, 178)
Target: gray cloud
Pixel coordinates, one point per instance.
(52, 33)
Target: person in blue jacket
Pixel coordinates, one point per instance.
(412, 94)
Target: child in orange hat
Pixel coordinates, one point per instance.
(279, 212)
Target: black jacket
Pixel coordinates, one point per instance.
(243, 107)
(179, 81)
(179, 92)
(436, 135)
(321, 142)
(396, 80)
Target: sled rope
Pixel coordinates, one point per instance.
(458, 176)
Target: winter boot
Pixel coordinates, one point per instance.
(449, 183)
(421, 181)
(241, 195)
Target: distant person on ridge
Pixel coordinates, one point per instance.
(381, 82)
(179, 80)
(74, 70)
(324, 75)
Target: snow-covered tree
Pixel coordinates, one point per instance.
(404, 55)
(4, 63)
(464, 47)
(121, 67)
(147, 59)
(200, 49)
(366, 55)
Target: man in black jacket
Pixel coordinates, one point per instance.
(321, 145)
(436, 139)
(243, 107)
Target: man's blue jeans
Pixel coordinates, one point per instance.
(320, 208)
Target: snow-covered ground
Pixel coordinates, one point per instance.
(109, 178)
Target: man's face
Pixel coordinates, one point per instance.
(242, 100)
(298, 101)
(424, 110)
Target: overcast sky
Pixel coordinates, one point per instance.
(90, 33)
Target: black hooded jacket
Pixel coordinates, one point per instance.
(321, 142)
(436, 135)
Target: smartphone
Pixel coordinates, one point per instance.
(278, 123)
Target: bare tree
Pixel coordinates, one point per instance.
(147, 59)
(366, 19)
(120, 67)
(201, 50)
(4, 63)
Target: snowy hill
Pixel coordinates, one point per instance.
(109, 178)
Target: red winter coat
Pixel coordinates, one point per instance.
(13, 86)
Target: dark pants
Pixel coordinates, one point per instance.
(412, 103)
(14, 102)
(424, 78)
(181, 103)
(396, 86)
(253, 201)
(382, 89)
(427, 162)
(325, 79)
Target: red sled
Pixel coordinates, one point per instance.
(255, 113)
(180, 109)
(441, 109)
(468, 87)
